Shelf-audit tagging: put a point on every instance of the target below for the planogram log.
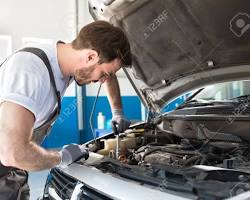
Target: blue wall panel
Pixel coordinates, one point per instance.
(65, 129)
(131, 108)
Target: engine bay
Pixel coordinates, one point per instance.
(148, 145)
(214, 164)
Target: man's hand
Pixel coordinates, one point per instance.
(71, 153)
(122, 122)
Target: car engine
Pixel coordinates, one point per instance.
(148, 145)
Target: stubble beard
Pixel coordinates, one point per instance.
(82, 76)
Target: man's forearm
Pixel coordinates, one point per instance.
(33, 157)
(113, 92)
(16, 148)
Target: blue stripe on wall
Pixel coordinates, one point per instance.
(131, 108)
(65, 129)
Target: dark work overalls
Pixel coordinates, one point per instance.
(13, 181)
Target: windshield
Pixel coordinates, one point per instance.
(216, 92)
(224, 91)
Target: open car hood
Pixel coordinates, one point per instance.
(180, 45)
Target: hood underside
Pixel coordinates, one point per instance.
(179, 45)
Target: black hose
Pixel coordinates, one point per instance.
(149, 152)
(92, 112)
(191, 160)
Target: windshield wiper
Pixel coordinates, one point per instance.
(242, 97)
(195, 103)
(189, 99)
(193, 95)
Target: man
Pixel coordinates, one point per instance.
(30, 99)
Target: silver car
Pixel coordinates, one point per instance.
(199, 150)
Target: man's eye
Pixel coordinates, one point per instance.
(103, 75)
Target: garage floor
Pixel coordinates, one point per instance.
(36, 183)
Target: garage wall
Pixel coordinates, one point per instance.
(45, 21)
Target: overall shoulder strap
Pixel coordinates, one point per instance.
(2, 62)
(42, 55)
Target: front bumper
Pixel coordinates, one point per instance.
(85, 182)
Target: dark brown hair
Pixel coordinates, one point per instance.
(109, 41)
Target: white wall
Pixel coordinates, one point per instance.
(37, 18)
(42, 19)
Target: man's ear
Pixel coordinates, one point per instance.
(92, 57)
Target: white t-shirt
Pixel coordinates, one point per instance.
(24, 80)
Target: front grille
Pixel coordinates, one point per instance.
(64, 186)
(90, 194)
(62, 183)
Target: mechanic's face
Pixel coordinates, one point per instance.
(97, 72)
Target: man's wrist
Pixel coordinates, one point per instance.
(59, 160)
(117, 112)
